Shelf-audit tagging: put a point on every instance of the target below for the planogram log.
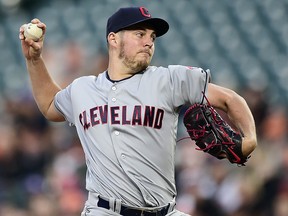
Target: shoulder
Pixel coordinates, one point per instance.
(176, 72)
(173, 68)
(84, 80)
(176, 68)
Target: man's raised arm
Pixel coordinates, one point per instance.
(43, 86)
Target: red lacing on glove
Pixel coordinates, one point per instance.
(209, 146)
(198, 133)
(219, 122)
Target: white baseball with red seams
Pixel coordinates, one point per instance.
(32, 31)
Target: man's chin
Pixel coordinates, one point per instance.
(144, 65)
(139, 65)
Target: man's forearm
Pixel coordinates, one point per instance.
(43, 87)
(239, 112)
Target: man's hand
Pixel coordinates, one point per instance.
(32, 50)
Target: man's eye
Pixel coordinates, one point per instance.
(140, 34)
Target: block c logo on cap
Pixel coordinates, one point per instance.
(144, 12)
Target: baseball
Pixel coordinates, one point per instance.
(32, 31)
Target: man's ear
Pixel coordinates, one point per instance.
(112, 39)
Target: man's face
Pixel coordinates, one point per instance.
(137, 47)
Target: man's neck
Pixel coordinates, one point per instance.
(119, 72)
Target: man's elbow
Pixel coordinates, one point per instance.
(53, 115)
(249, 145)
(55, 118)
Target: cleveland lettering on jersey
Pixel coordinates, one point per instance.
(147, 116)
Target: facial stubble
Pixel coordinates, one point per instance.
(130, 62)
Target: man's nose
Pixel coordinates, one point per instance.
(149, 41)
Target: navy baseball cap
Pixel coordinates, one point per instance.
(126, 17)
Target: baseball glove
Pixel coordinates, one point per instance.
(212, 134)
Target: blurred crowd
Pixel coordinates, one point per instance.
(42, 166)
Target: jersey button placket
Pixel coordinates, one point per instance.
(117, 133)
(113, 88)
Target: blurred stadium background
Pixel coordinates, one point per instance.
(245, 45)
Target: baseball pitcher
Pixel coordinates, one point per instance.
(127, 116)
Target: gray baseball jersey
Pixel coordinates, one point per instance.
(128, 129)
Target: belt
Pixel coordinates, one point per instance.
(126, 211)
